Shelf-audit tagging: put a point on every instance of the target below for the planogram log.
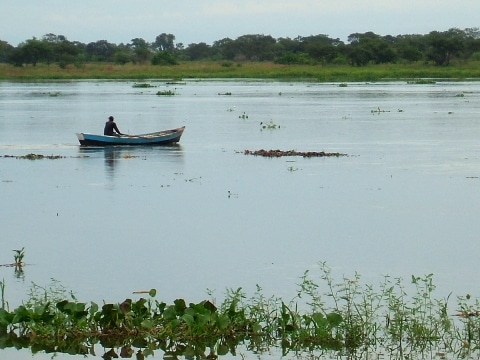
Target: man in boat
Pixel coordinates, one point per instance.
(111, 128)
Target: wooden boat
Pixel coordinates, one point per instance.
(164, 137)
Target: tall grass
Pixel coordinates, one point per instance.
(263, 70)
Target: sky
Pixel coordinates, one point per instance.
(195, 21)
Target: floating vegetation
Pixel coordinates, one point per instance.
(166, 93)
(243, 116)
(225, 94)
(270, 125)
(460, 95)
(231, 195)
(378, 111)
(143, 85)
(129, 156)
(18, 265)
(326, 319)
(176, 83)
(35, 156)
(54, 94)
(342, 85)
(421, 82)
(280, 153)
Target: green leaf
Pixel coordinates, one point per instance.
(152, 292)
(223, 322)
(180, 306)
(334, 319)
(169, 313)
(189, 319)
(319, 319)
(222, 350)
(147, 324)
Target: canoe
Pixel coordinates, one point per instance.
(164, 137)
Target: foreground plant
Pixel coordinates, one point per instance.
(345, 318)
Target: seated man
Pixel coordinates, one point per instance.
(111, 128)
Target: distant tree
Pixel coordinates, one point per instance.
(224, 49)
(122, 55)
(291, 46)
(5, 50)
(443, 46)
(199, 51)
(100, 50)
(33, 51)
(141, 50)
(52, 38)
(410, 47)
(294, 58)
(255, 47)
(321, 47)
(472, 41)
(15, 57)
(66, 53)
(164, 42)
(370, 47)
(164, 58)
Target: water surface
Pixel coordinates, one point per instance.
(202, 215)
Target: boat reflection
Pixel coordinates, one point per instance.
(114, 154)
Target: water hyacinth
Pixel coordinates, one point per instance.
(345, 318)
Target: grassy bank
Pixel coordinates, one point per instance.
(226, 70)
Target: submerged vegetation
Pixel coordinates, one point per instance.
(326, 318)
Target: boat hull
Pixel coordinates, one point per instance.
(158, 138)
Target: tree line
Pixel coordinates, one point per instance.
(361, 49)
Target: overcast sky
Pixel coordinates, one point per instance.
(194, 21)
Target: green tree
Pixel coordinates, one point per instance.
(444, 46)
(33, 51)
(370, 47)
(100, 50)
(5, 50)
(410, 47)
(199, 51)
(255, 47)
(65, 53)
(164, 42)
(164, 58)
(141, 50)
(224, 49)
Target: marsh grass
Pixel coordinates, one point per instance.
(415, 73)
(326, 318)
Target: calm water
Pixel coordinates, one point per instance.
(202, 215)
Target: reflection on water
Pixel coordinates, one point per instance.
(112, 154)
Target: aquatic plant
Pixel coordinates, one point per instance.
(142, 85)
(166, 93)
(243, 116)
(18, 256)
(280, 153)
(270, 125)
(327, 317)
(379, 111)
